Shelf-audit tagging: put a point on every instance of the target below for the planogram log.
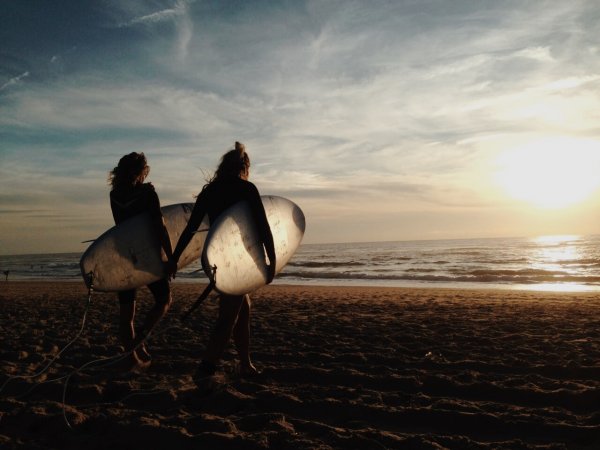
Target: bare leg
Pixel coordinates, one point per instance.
(229, 307)
(241, 337)
(126, 332)
(158, 311)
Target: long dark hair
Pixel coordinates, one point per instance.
(233, 164)
(131, 169)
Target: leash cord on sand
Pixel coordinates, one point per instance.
(42, 371)
(108, 361)
(113, 359)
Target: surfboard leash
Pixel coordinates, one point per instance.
(199, 300)
(213, 280)
(58, 355)
(149, 335)
(106, 361)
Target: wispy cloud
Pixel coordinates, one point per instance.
(14, 80)
(156, 17)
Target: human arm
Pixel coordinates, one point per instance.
(191, 227)
(165, 240)
(266, 236)
(158, 222)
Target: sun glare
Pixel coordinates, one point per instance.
(551, 173)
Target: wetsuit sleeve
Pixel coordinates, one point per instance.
(260, 218)
(153, 208)
(113, 209)
(195, 220)
(153, 203)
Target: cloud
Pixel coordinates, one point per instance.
(569, 83)
(164, 15)
(160, 16)
(14, 80)
(539, 53)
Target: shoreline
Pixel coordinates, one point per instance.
(556, 288)
(343, 367)
(558, 263)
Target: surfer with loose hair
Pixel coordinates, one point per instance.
(129, 197)
(228, 186)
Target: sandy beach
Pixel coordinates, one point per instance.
(341, 368)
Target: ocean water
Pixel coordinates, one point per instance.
(553, 263)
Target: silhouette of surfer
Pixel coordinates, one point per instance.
(6, 273)
(130, 196)
(228, 186)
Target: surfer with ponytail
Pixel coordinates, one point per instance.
(228, 186)
(235, 163)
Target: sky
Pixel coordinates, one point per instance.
(382, 120)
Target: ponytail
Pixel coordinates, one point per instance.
(233, 163)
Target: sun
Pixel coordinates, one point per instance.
(551, 173)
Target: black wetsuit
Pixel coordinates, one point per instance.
(128, 202)
(219, 195)
(216, 197)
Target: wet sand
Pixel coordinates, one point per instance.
(342, 368)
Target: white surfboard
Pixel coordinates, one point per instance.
(233, 245)
(129, 255)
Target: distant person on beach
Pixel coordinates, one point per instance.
(228, 186)
(6, 273)
(129, 197)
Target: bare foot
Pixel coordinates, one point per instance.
(249, 371)
(141, 366)
(132, 363)
(140, 346)
(142, 353)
